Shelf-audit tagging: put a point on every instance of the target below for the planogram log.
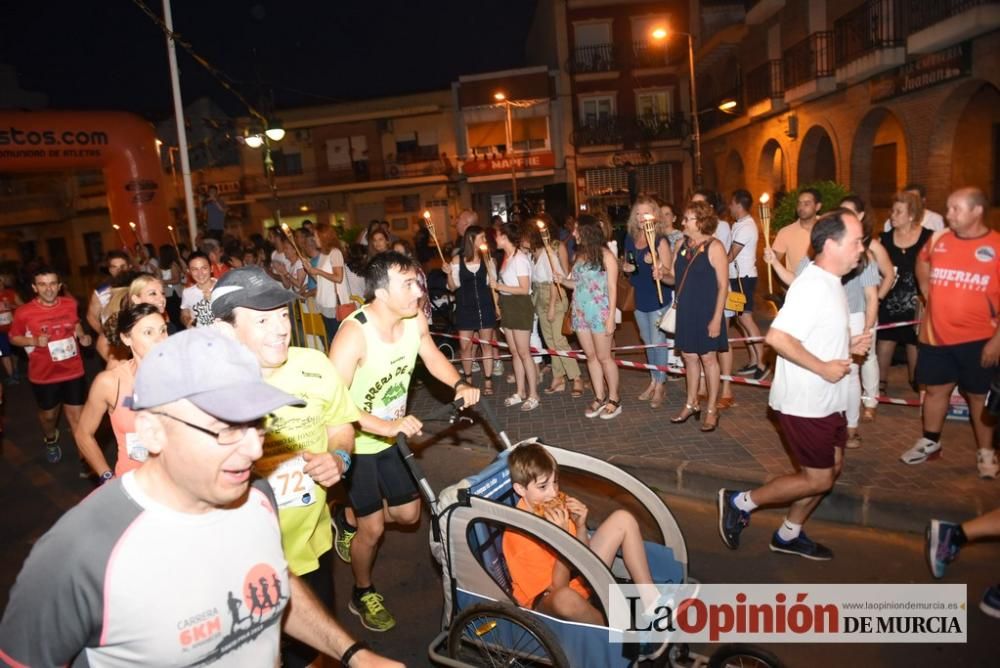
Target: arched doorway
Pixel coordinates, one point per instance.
(879, 160)
(817, 161)
(976, 144)
(772, 170)
(733, 176)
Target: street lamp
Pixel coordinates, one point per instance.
(501, 98)
(662, 34)
(255, 138)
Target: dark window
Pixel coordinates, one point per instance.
(286, 164)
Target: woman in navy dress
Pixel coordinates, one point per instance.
(701, 279)
(474, 312)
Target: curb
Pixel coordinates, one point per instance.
(862, 506)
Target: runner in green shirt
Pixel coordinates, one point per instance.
(375, 351)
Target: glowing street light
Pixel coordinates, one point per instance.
(501, 98)
(660, 34)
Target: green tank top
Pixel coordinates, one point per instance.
(381, 384)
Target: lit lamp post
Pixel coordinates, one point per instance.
(501, 98)
(661, 35)
(272, 132)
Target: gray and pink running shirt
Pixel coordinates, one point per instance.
(121, 580)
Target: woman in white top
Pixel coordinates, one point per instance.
(517, 314)
(294, 276)
(329, 276)
(551, 303)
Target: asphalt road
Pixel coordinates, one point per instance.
(410, 580)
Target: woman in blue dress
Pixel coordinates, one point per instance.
(701, 275)
(594, 280)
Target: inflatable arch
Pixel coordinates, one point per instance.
(123, 145)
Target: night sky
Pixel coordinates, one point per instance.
(107, 54)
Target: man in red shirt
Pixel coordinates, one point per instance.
(49, 329)
(958, 271)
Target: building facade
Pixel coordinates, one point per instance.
(628, 106)
(383, 159)
(874, 94)
(508, 129)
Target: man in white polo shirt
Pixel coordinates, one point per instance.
(809, 393)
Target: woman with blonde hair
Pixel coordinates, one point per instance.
(649, 308)
(594, 279)
(137, 328)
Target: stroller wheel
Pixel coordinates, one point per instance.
(499, 634)
(447, 349)
(743, 656)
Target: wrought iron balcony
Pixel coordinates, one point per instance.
(810, 59)
(597, 58)
(614, 130)
(877, 24)
(646, 54)
(765, 82)
(922, 14)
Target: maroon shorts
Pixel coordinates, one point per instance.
(813, 440)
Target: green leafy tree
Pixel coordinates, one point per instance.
(785, 214)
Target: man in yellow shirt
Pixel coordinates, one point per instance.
(306, 449)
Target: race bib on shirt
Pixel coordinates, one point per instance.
(393, 410)
(6, 318)
(62, 349)
(293, 488)
(136, 451)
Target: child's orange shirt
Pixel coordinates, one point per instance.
(530, 564)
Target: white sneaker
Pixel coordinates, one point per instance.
(923, 450)
(497, 368)
(986, 461)
(475, 367)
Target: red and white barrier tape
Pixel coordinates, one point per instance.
(666, 369)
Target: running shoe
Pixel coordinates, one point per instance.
(53, 453)
(371, 611)
(941, 547)
(923, 450)
(475, 367)
(497, 368)
(760, 374)
(801, 546)
(747, 370)
(991, 601)
(343, 534)
(986, 462)
(732, 520)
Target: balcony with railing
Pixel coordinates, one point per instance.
(933, 25)
(629, 131)
(869, 39)
(595, 59)
(809, 68)
(649, 55)
(361, 174)
(765, 88)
